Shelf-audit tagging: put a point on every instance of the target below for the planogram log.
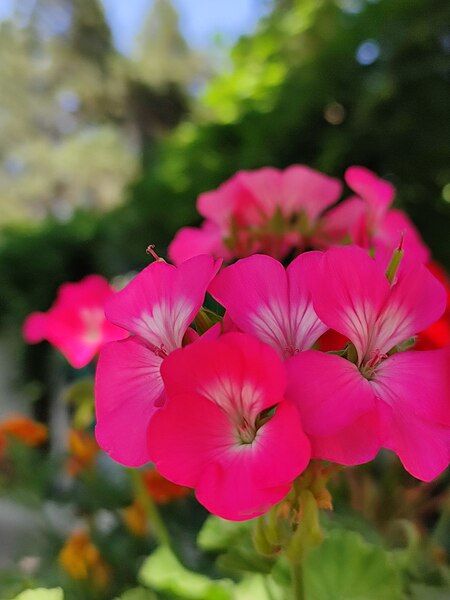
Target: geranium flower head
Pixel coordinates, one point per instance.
(226, 429)
(156, 308)
(76, 322)
(266, 210)
(264, 299)
(386, 397)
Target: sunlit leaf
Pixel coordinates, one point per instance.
(41, 594)
(345, 567)
(164, 573)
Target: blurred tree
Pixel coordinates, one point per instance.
(325, 82)
(162, 55)
(163, 74)
(60, 149)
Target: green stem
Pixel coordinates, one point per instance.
(151, 509)
(298, 590)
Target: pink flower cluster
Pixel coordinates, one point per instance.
(236, 404)
(237, 411)
(280, 211)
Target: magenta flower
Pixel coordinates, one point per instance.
(266, 210)
(398, 400)
(274, 304)
(156, 308)
(226, 429)
(76, 322)
(368, 220)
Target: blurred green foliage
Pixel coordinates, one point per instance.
(300, 89)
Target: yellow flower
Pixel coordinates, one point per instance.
(22, 428)
(135, 519)
(83, 449)
(82, 560)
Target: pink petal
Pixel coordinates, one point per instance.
(349, 291)
(415, 389)
(355, 444)
(228, 490)
(254, 292)
(263, 187)
(234, 367)
(162, 300)
(305, 325)
(261, 299)
(285, 433)
(343, 224)
(247, 481)
(192, 241)
(396, 225)
(304, 189)
(35, 328)
(128, 389)
(416, 301)
(418, 381)
(329, 391)
(377, 192)
(218, 206)
(186, 434)
(422, 446)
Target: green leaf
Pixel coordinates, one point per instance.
(217, 534)
(41, 594)
(137, 594)
(164, 573)
(256, 587)
(345, 567)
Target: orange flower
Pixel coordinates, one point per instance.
(83, 449)
(82, 560)
(160, 489)
(22, 428)
(135, 518)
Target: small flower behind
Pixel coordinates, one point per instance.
(368, 220)
(267, 210)
(161, 489)
(83, 450)
(135, 518)
(81, 560)
(76, 323)
(22, 428)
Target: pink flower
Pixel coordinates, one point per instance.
(266, 210)
(399, 401)
(274, 304)
(226, 429)
(76, 322)
(367, 219)
(156, 307)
